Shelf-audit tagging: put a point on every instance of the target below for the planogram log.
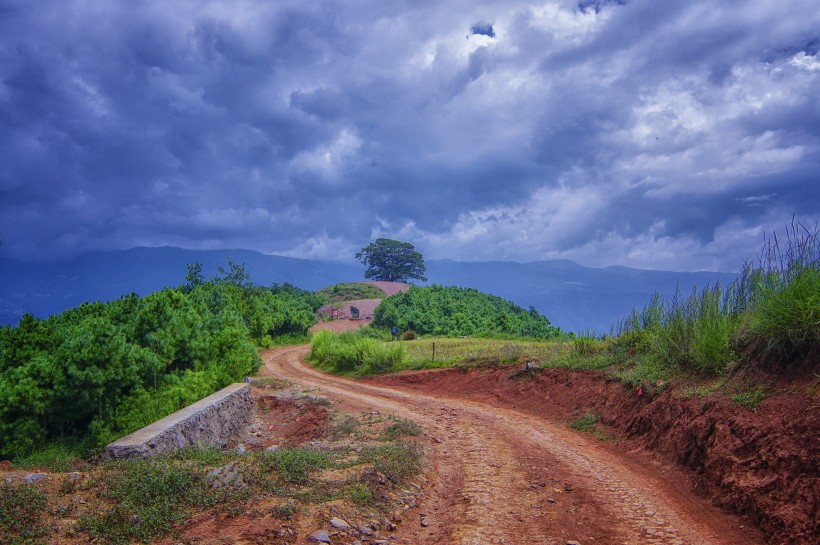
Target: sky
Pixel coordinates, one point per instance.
(665, 135)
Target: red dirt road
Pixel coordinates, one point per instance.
(497, 475)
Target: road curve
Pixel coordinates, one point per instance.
(500, 476)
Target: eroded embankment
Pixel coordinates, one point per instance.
(761, 463)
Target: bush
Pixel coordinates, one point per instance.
(409, 335)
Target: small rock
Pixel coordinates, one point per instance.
(240, 449)
(271, 448)
(32, 478)
(365, 530)
(319, 536)
(531, 365)
(424, 522)
(573, 543)
(551, 500)
(339, 524)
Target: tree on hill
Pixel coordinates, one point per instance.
(392, 261)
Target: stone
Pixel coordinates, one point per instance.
(319, 536)
(424, 522)
(32, 478)
(366, 530)
(339, 524)
(227, 475)
(271, 448)
(212, 421)
(573, 543)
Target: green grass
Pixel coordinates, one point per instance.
(400, 428)
(397, 461)
(590, 422)
(750, 399)
(295, 465)
(350, 291)
(57, 456)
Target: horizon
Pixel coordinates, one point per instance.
(656, 136)
(353, 261)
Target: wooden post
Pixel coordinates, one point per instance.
(434, 352)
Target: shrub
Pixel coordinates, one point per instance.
(409, 335)
(21, 507)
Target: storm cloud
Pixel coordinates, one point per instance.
(666, 135)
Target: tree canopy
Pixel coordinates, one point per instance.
(392, 261)
(446, 310)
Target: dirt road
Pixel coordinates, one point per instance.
(500, 476)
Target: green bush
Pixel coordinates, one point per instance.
(102, 370)
(451, 311)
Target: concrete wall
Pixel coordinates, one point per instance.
(212, 421)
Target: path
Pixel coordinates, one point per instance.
(500, 476)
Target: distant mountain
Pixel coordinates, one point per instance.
(573, 297)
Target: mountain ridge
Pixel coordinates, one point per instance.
(572, 296)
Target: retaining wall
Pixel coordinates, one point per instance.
(212, 421)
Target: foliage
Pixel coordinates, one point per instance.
(771, 310)
(751, 399)
(294, 465)
(354, 353)
(392, 261)
(396, 461)
(349, 291)
(297, 294)
(400, 428)
(101, 370)
(451, 311)
(590, 422)
(21, 507)
(149, 496)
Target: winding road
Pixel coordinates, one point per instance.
(498, 476)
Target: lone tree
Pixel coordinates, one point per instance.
(392, 261)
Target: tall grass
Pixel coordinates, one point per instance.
(772, 309)
(354, 353)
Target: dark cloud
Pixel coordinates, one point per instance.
(641, 133)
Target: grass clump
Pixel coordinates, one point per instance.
(354, 353)
(770, 313)
(349, 291)
(149, 496)
(590, 422)
(400, 428)
(21, 508)
(397, 461)
(750, 399)
(295, 465)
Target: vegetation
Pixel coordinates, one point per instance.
(392, 261)
(451, 311)
(771, 313)
(102, 370)
(21, 509)
(349, 291)
(354, 353)
(143, 500)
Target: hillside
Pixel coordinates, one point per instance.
(574, 297)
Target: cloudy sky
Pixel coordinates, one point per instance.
(652, 134)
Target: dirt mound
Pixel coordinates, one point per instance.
(761, 463)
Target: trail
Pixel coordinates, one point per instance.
(500, 476)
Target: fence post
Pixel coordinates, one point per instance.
(434, 352)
